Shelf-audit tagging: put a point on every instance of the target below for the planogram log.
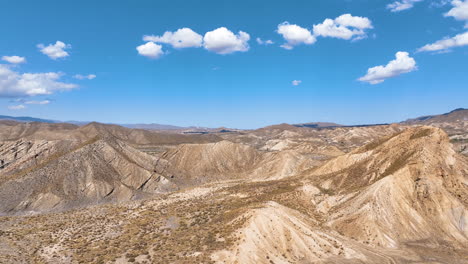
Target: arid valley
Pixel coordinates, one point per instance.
(307, 193)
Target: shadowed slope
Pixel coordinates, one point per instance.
(92, 172)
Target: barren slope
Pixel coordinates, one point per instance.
(200, 163)
(455, 123)
(10, 131)
(409, 187)
(88, 173)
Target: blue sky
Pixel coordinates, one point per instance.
(78, 60)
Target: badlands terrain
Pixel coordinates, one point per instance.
(305, 193)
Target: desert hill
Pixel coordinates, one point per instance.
(413, 181)
(141, 136)
(62, 131)
(74, 175)
(10, 130)
(225, 160)
(455, 123)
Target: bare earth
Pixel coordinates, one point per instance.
(281, 194)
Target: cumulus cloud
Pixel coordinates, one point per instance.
(14, 84)
(447, 43)
(16, 107)
(224, 41)
(294, 35)
(459, 10)
(150, 50)
(83, 77)
(344, 27)
(402, 64)
(347, 20)
(398, 6)
(296, 82)
(43, 102)
(55, 51)
(264, 42)
(182, 38)
(14, 59)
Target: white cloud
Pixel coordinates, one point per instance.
(459, 10)
(14, 59)
(402, 64)
(16, 107)
(264, 42)
(347, 20)
(151, 50)
(224, 41)
(439, 3)
(345, 27)
(55, 51)
(182, 38)
(14, 84)
(82, 77)
(447, 43)
(295, 35)
(296, 82)
(398, 6)
(43, 102)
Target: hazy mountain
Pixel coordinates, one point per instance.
(153, 126)
(459, 114)
(318, 124)
(27, 119)
(136, 126)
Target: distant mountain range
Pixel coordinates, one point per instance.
(457, 114)
(153, 126)
(27, 119)
(317, 125)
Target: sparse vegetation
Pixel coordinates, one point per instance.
(421, 133)
(399, 162)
